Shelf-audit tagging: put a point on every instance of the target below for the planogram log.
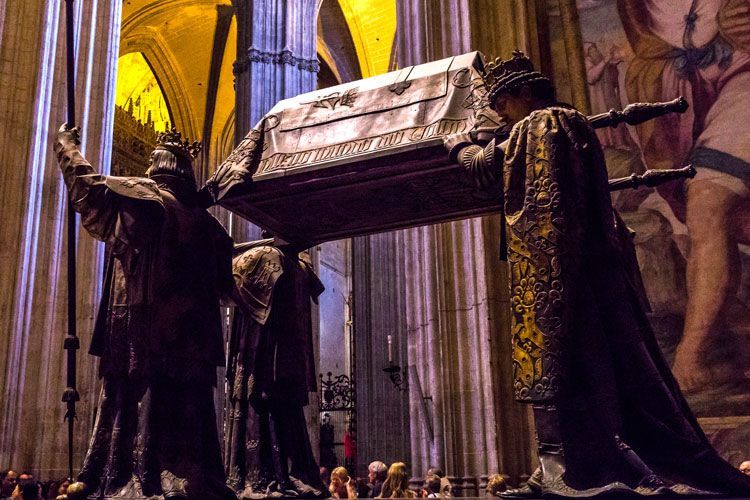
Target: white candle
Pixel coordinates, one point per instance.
(390, 350)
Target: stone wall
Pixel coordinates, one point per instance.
(33, 253)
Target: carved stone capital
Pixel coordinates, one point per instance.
(285, 56)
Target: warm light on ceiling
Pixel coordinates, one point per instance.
(138, 91)
(372, 24)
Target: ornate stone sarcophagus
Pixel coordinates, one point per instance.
(361, 157)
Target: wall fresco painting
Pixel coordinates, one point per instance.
(691, 238)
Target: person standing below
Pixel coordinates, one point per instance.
(608, 413)
(10, 479)
(602, 76)
(342, 485)
(376, 473)
(158, 332)
(396, 484)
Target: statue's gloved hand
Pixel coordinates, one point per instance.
(67, 139)
(484, 135)
(453, 144)
(205, 199)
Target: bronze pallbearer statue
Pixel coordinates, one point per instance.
(158, 331)
(609, 415)
(270, 372)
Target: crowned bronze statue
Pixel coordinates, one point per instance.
(158, 332)
(271, 370)
(609, 415)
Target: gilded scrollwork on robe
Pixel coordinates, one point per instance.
(545, 216)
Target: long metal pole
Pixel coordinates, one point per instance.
(71, 345)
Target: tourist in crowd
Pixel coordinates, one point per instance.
(495, 485)
(10, 478)
(58, 488)
(431, 487)
(396, 484)
(745, 467)
(363, 488)
(342, 485)
(436, 484)
(27, 488)
(25, 476)
(376, 473)
(325, 476)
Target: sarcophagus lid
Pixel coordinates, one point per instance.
(361, 157)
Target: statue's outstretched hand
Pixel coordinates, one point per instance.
(67, 138)
(453, 144)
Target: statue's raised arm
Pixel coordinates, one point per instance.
(159, 331)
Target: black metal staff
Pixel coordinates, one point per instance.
(71, 345)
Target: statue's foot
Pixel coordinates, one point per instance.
(132, 488)
(532, 488)
(281, 489)
(554, 484)
(305, 490)
(689, 491)
(250, 493)
(524, 491)
(560, 489)
(173, 486)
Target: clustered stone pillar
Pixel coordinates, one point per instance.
(33, 273)
(456, 289)
(379, 311)
(276, 59)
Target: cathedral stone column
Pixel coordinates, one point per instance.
(276, 59)
(378, 282)
(456, 291)
(33, 273)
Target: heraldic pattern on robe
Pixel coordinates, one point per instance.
(270, 371)
(581, 338)
(158, 334)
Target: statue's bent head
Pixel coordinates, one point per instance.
(173, 157)
(514, 88)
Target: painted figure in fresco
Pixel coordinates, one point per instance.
(270, 372)
(602, 76)
(609, 415)
(700, 49)
(158, 332)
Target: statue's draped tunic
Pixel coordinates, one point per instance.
(270, 372)
(158, 334)
(581, 339)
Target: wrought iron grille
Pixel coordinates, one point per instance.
(338, 427)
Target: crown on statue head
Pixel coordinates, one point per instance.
(172, 140)
(503, 76)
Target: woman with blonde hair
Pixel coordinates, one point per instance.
(396, 484)
(342, 485)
